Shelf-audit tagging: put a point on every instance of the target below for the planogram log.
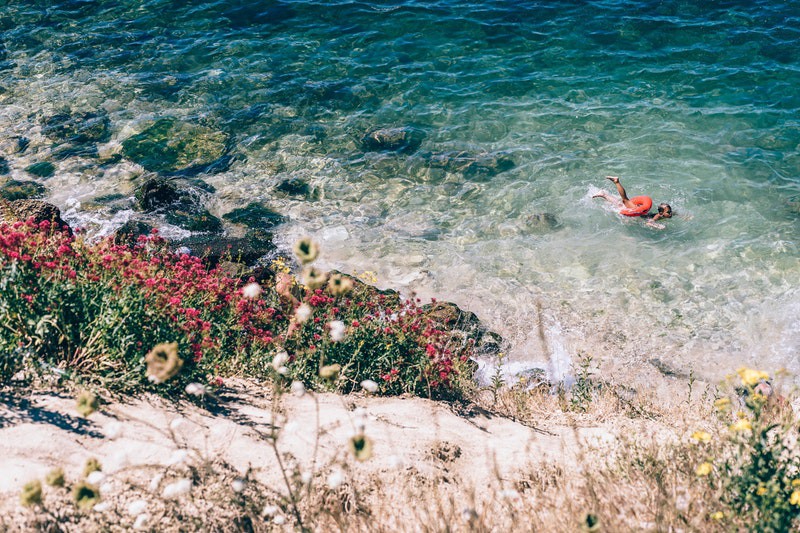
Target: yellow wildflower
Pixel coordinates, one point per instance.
(340, 285)
(361, 447)
(86, 403)
(163, 362)
(796, 483)
(794, 499)
(314, 278)
(31, 493)
(306, 250)
(717, 516)
(55, 478)
(761, 490)
(704, 469)
(722, 404)
(701, 436)
(330, 372)
(85, 495)
(741, 425)
(751, 377)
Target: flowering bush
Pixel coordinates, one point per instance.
(102, 310)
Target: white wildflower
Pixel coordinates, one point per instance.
(251, 290)
(280, 359)
(298, 389)
(141, 522)
(335, 479)
(369, 385)
(469, 514)
(101, 507)
(270, 510)
(237, 485)
(178, 488)
(306, 478)
(155, 482)
(114, 430)
(337, 329)
(195, 389)
(303, 313)
(178, 457)
(137, 507)
(95, 478)
(279, 520)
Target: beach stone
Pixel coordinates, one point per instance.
(255, 216)
(472, 166)
(171, 146)
(79, 128)
(405, 139)
(19, 190)
(42, 169)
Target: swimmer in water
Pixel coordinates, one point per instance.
(638, 206)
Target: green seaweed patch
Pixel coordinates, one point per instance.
(21, 190)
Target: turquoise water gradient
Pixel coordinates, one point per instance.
(694, 103)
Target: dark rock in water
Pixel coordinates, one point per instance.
(472, 166)
(38, 210)
(22, 144)
(170, 146)
(81, 128)
(108, 198)
(244, 13)
(541, 222)
(255, 216)
(66, 151)
(392, 140)
(3, 52)
(42, 169)
(6, 65)
(4, 166)
(156, 193)
(181, 206)
(131, 231)
(20, 190)
(193, 218)
(217, 248)
(464, 328)
(295, 187)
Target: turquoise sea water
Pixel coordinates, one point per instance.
(693, 103)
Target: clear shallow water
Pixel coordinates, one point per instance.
(692, 104)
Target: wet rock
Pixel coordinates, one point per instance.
(255, 216)
(472, 166)
(403, 139)
(464, 328)
(22, 144)
(216, 249)
(295, 187)
(36, 209)
(80, 128)
(5, 168)
(181, 206)
(42, 169)
(156, 193)
(20, 190)
(171, 146)
(131, 231)
(193, 218)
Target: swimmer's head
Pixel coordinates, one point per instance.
(665, 210)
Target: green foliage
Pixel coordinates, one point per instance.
(582, 390)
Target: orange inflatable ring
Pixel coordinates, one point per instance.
(642, 206)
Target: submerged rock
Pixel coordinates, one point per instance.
(541, 222)
(472, 166)
(405, 139)
(42, 169)
(156, 193)
(215, 249)
(181, 206)
(295, 187)
(171, 146)
(193, 218)
(5, 168)
(20, 190)
(80, 128)
(255, 216)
